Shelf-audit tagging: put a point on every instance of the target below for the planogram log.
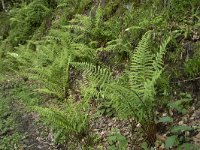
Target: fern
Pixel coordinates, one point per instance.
(139, 99)
(92, 26)
(97, 77)
(145, 67)
(141, 69)
(48, 63)
(71, 122)
(118, 45)
(82, 52)
(55, 77)
(192, 65)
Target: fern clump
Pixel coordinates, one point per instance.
(70, 124)
(138, 99)
(55, 77)
(47, 62)
(133, 95)
(95, 78)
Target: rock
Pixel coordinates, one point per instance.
(138, 125)
(187, 133)
(192, 118)
(110, 124)
(185, 119)
(164, 114)
(162, 146)
(181, 122)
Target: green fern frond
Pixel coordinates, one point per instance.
(145, 67)
(48, 63)
(141, 68)
(97, 78)
(55, 77)
(83, 52)
(118, 45)
(100, 75)
(54, 116)
(73, 120)
(79, 24)
(158, 61)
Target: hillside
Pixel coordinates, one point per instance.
(99, 74)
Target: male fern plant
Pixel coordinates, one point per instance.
(70, 124)
(133, 94)
(48, 63)
(137, 100)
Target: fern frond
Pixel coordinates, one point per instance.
(158, 61)
(98, 74)
(72, 120)
(122, 99)
(54, 116)
(118, 45)
(145, 67)
(80, 24)
(141, 68)
(83, 51)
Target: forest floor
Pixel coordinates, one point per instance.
(18, 127)
(22, 129)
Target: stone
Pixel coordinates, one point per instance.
(181, 122)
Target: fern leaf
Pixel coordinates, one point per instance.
(141, 65)
(97, 74)
(158, 62)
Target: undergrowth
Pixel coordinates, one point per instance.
(123, 55)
